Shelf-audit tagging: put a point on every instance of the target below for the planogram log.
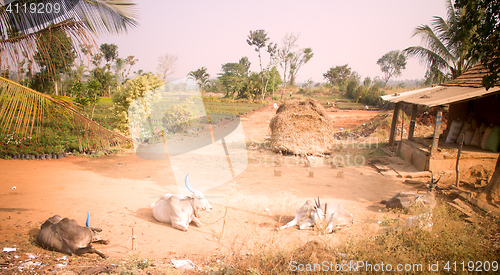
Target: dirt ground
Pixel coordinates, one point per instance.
(117, 191)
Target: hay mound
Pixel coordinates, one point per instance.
(301, 127)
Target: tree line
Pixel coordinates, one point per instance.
(237, 81)
(468, 35)
(448, 54)
(56, 72)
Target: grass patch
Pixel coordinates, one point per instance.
(233, 108)
(374, 150)
(451, 240)
(136, 263)
(341, 102)
(350, 105)
(331, 98)
(105, 101)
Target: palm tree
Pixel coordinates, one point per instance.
(447, 48)
(200, 76)
(21, 108)
(258, 39)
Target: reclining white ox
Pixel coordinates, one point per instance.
(310, 215)
(336, 217)
(180, 211)
(306, 216)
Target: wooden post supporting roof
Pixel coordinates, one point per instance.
(437, 130)
(393, 125)
(414, 110)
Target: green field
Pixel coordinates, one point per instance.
(342, 102)
(56, 133)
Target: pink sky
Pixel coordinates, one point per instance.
(211, 33)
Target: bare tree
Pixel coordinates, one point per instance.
(167, 65)
(285, 55)
(299, 58)
(272, 49)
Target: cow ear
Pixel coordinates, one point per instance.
(197, 194)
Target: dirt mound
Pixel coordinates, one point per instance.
(477, 176)
(301, 127)
(429, 118)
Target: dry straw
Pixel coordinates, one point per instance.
(22, 110)
(301, 127)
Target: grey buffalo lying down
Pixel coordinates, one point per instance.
(66, 236)
(317, 215)
(406, 201)
(180, 211)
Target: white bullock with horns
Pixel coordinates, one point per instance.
(180, 211)
(327, 216)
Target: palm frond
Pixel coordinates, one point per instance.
(443, 30)
(107, 16)
(427, 56)
(433, 42)
(447, 44)
(452, 14)
(11, 48)
(98, 16)
(19, 31)
(22, 110)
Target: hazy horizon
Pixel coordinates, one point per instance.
(214, 33)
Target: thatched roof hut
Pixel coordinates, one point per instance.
(301, 127)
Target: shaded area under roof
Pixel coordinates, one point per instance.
(466, 87)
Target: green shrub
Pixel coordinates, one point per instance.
(177, 118)
(125, 95)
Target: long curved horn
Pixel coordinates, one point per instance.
(189, 187)
(437, 181)
(318, 203)
(88, 218)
